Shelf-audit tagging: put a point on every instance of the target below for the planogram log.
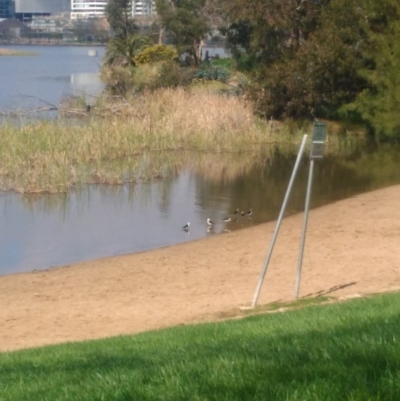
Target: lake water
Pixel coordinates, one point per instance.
(38, 232)
(45, 78)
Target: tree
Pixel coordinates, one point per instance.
(303, 55)
(272, 29)
(378, 105)
(122, 52)
(156, 54)
(186, 22)
(119, 16)
(119, 64)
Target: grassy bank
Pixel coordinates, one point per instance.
(345, 351)
(48, 157)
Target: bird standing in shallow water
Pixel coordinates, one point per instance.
(236, 211)
(209, 222)
(226, 219)
(249, 213)
(186, 227)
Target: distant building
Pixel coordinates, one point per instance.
(143, 7)
(11, 29)
(6, 9)
(84, 9)
(26, 10)
(46, 25)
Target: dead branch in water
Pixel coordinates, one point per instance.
(25, 112)
(53, 106)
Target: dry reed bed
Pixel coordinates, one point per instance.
(7, 52)
(48, 157)
(11, 52)
(129, 144)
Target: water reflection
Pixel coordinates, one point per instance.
(42, 231)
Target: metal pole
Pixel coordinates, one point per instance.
(278, 224)
(304, 230)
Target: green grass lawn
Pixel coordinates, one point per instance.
(337, 352)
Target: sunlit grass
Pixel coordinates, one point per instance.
(109, 147)
(347, 351)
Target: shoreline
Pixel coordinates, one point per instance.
(349, 250)
(53, 44)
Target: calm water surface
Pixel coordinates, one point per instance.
(53, 73)
(38, 232)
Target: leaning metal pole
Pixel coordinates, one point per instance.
(304, 230)
(278, 224)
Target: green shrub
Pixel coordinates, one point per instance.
(228, 63)
(213, 73)
(164, 74)
(156, 53)
(118, 79)
(173, 75)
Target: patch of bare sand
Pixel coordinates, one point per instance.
(351, 248)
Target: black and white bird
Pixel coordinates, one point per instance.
(226, 219)
(186, 227)
(209, 222)
(236, 211)
(242, 213)
(250, 212)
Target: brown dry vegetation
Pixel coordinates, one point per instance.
(127, 140)
(48, 157)
(11, 52)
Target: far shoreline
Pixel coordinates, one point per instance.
(54, 44)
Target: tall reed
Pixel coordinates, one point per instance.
(52, 157)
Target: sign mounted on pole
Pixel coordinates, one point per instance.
(317, 150)
(278, 224)
(318, 140)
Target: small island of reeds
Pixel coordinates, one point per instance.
(143, 138)
(13, 52)
(147, 137)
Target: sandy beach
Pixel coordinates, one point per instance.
(352, 248)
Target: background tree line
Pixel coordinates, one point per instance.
(335, 59)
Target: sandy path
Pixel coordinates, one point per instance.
(352, 245)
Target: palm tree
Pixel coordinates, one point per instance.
(122, 52)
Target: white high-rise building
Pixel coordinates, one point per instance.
(82, 9)
(143, 7)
